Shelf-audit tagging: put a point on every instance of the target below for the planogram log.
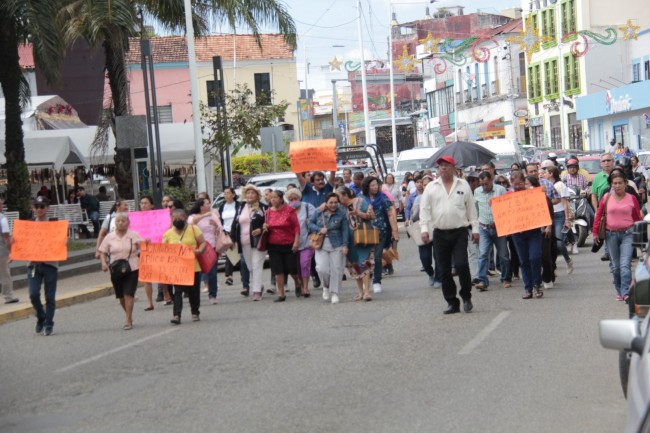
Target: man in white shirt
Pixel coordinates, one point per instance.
(447, 206)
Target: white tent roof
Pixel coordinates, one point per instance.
(177, 142)
(49, 152)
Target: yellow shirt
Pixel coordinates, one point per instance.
(187, 237)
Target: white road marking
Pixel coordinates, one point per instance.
(485, 332)
(112, 351)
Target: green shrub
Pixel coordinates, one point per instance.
(250, 165)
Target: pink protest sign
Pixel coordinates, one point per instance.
(150, 224)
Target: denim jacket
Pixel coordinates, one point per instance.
(338, 227)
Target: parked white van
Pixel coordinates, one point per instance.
(507, 151)
(413, 159)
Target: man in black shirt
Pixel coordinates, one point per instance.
(91, 205)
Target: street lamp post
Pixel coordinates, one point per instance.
(364, 85)
(392, 84)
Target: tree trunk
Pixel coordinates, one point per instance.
(18, 184)
(118, 82)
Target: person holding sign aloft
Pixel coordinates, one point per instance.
(119, 255)
(182, 233)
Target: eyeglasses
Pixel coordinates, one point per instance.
(39, 206)
(502, 183)
(606, 160)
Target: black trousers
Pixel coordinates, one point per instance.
(193, 293)
(448, 244)
(549, 255)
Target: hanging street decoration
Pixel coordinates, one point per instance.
(406, 62)
(443, 52)
(529, 39)
(335, 64)
(630, 31)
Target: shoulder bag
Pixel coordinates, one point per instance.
(316, 239)
(365, 234)
(264, 237)
(120, 268)
(603, 221)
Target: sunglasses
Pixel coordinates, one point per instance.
(39, 206)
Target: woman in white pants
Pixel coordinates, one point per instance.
(246, 231)
(333, 224)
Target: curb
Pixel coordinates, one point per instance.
(72, 298)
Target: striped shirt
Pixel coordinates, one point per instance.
(551, 192)
(482, 201)
(578, 180)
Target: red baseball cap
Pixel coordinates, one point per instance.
(446, 158)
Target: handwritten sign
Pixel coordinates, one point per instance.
(40, 241)
(167, 264)
(150, 224)
(312, 155)
(520, 211)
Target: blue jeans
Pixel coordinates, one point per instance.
(558, 225)
(529, 248)
(211, 278)
(620, 252)
(489, 239)
(37, 275)
(427, 258)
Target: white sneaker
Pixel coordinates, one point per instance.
(574, 249)
(335, 298)
(376, 288)
(548, 285)
(326, 294)
(569, 267)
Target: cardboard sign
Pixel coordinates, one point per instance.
(150, 224)
(520, 211)
(313, 155)
(40, 241)
(167, 264)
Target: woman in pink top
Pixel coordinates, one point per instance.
(621, 211)
(209, 222)
(284, 240)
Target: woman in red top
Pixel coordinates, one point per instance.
(621, 210)
(284, 238)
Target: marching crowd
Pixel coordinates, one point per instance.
(328, 229)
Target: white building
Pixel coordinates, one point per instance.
(557, 78)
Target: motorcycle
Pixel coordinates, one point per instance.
(583, 215)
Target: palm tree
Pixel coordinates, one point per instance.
(22, 21)
(111, 23)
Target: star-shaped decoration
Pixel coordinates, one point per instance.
(335, 64)
(406, 62)
(630, 31)
(430, 44)
(529, 39)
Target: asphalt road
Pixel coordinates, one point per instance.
(395, 364)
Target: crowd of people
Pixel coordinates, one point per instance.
(324, 230)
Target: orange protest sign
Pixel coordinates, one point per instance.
(36, 241)
(520, 211)
(167, 264)
(312, 155)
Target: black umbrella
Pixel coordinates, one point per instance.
(465, 154)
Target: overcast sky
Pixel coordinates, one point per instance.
(322, 24)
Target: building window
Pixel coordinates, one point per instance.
(556, 132)
(164, 114)
(537, 136)
(534, 83)
(486, 74)
(522, 74)
(263, 88)
(568, 17)
(636, 72)
(646, 68)
(548, 24)
(575, 132)
(571, 75)
(461, 97)
(551, 81)
(620, 134)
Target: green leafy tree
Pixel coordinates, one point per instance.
(110, 23)
(24, 21)
(245, 116)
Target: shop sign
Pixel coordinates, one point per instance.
(521, 113)
(620, 105)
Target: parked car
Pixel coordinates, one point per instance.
(630, 338)
(591, 164)
(274, 180)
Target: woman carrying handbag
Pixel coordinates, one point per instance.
(209, 222)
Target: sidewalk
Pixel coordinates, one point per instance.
(69, 291)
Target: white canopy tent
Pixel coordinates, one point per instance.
(51, 152)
